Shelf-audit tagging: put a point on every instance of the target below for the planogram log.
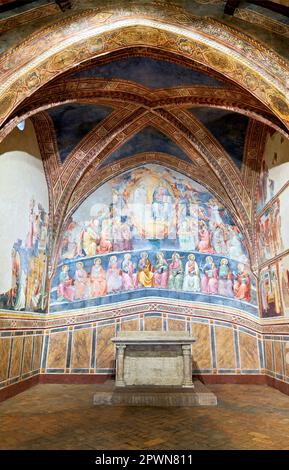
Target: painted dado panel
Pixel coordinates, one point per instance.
(220, 347)
(152, 232)
(24, 216)
(20, 356)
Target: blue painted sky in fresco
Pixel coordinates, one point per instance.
(149, 72)
(74, 121)
(147, 140)
(227, 127)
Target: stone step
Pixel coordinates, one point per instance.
(199, 395)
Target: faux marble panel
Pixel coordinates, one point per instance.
(153, 323)
(130, 325)
(104, 347)
(278, 357)
(201, 349)
(225, 350)
(57, 350)
(248, 351)
(80, 355)
(37, 352)
(16, 357)
(268, 355)
(176, 325)
(286, 358)
(27, 355)
(4, 357)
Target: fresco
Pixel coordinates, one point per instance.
(152, 231)
(272, 231)
(284, 283)
(28, 265)
(274, 168)
(270, 293)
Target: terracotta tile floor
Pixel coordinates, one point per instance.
(63, 417)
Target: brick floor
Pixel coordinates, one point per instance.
(63, 417)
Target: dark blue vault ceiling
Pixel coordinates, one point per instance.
(148, 139)
(227, 127)
(152, 73)
(74, 121)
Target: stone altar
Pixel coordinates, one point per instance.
(153, 358)
(153, 369)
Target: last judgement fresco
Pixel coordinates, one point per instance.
(152, 231)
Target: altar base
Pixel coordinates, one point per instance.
(109, 395)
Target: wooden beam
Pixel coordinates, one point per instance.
(231, 6)
(277, 7)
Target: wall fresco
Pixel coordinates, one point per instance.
(284, 283)
(24, 216)
(274, 168)
(270, 295)
(152, 232)
(272, 229)
(29, 265)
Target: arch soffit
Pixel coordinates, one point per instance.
(69, 42)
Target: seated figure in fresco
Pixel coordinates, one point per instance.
(81, 282)
(210, 277)
(192, 280)
(89, 240)
(65, 289)
(225, 279)
(97, 279)
(145, 275)
(204, 245)
(129, 277)
(105, 245)
(161, 273)
(242, 285)
(176, 272)
(113, 276)
(161, 204)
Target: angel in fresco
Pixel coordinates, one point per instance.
(80, 281)
(219, 242)
(209, 281)
(234, 244)
(145, 275)
(97, 279)
(65, 289)
(176, 273)
(242, 285)
(161, 272)
(225, 279)
(113, 276)
(129, 277)
(214, 210)
(204, 245)
(192, 280)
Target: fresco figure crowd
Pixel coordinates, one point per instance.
(173, 274)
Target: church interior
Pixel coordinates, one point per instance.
(144, 243)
